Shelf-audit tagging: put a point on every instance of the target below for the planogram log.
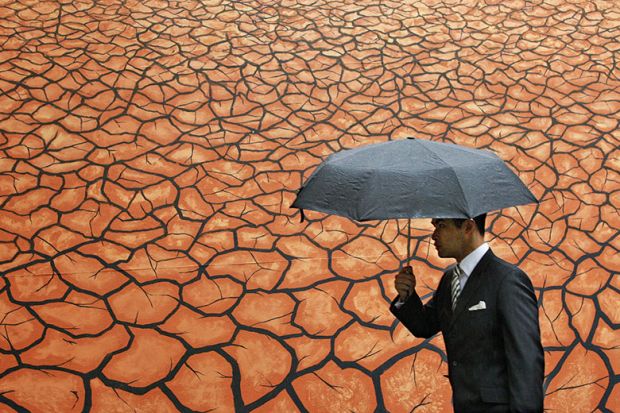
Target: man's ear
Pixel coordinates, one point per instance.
(470, 226)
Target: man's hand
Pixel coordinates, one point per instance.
(405, 282)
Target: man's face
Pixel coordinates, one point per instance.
(448, 238)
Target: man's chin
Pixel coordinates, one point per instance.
(441, 254)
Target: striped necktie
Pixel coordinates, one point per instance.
(456, 285)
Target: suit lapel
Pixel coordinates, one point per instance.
(473, 285)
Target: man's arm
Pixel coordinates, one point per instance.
(420, 319)
(523, 349)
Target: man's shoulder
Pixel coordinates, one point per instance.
(497, 260)
(508, 275)
(501, 266)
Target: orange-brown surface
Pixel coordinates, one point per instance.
(149, 152)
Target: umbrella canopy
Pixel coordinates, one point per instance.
(412, 178)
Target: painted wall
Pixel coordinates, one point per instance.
(149, 151)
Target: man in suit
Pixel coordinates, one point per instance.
(487, 312)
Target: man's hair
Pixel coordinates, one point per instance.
(479, 221)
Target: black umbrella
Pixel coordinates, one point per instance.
(412, 178)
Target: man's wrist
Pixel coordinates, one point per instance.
(400, 302)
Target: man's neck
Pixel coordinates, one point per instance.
(469, 249)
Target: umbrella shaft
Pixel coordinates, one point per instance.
(409, 242)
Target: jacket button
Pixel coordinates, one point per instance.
(454, 364)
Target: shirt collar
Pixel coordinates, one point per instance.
(468, 263)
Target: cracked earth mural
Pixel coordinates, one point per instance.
(149, 152)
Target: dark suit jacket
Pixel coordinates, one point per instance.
(495, 357)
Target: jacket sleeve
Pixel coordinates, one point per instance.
(522, 345)
(421, 319)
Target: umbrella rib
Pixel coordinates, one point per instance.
(451, 169)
